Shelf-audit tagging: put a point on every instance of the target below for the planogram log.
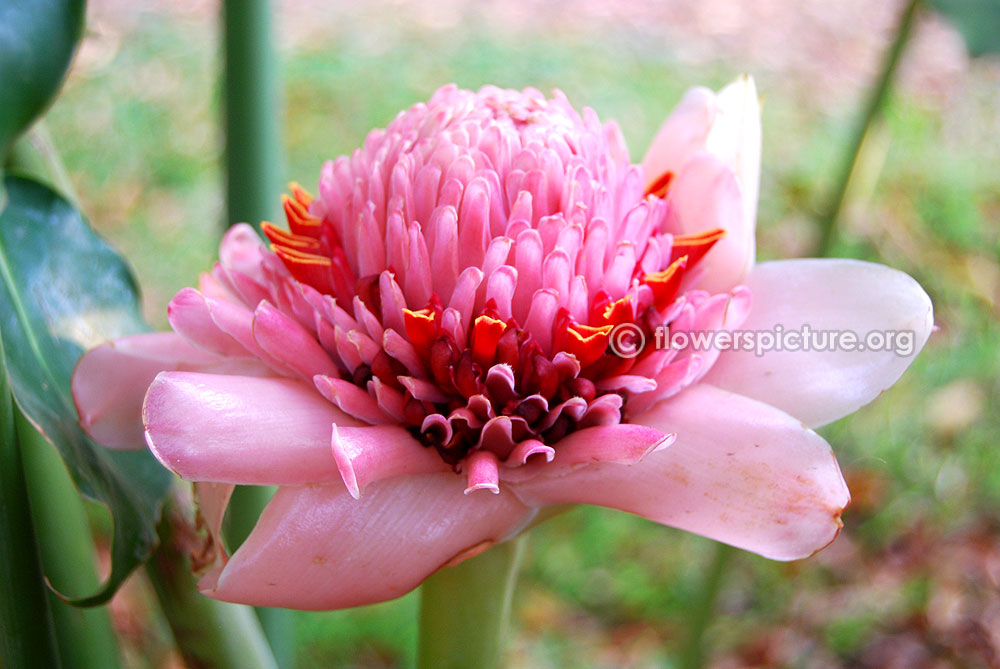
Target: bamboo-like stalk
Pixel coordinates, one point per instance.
(245, 507)
(464, 610)
(253, 188)
(693, 653)
(26, 631)
(86, 638)
(253, 138)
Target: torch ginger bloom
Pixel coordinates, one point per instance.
(429, 354)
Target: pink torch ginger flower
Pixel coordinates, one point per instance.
(433, 351)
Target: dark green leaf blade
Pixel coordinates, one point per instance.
(63, 291)
(977, 20)
(37, 40)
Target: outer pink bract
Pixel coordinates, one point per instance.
(441, 320)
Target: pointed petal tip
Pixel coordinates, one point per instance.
(485, 485)
(344, 463)
(665, 442)
(527, 450)
(740, 472)
(157, 453)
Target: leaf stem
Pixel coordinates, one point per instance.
(876, 100)
(464, 609)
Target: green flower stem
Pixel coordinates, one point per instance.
(253, 147)
(253, 189)
(86, 639)
(208, 633)
(876, 101)
(464, 610)
(26, 632)
(245, 508)
(694, 651)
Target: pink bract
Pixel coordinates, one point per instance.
(427, 356)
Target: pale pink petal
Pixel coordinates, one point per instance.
(110, 381)
(368, 454)
(818, 387)
(234, 429)
(352, 400)
(736, 139)
(189, 316)
(683, 133)
(627, 382)
(706, 195)
(237, 321)
(402, 350)
(740, 472)
(242, 250)
(624, 444)
(316, 547)
(423, 390)
(289, 343)
(726, 125)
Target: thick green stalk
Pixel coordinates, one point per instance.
(693, 653)
(26, 632)
(279, 624)
(876, 100)
(253, 189)
(86, 639)
(464, 610)
(253, 147)
(208, 633)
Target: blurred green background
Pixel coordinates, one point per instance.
(914, 579)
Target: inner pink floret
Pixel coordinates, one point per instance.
(462, 274)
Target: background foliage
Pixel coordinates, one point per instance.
(915, 576)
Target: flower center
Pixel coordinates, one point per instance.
(493, 264)
(478, 379)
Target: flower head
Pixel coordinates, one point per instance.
(463, 308)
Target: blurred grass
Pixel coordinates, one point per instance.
(137, 127)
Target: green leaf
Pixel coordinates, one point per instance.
(63, 291)
(977, 20)
(37, 40)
